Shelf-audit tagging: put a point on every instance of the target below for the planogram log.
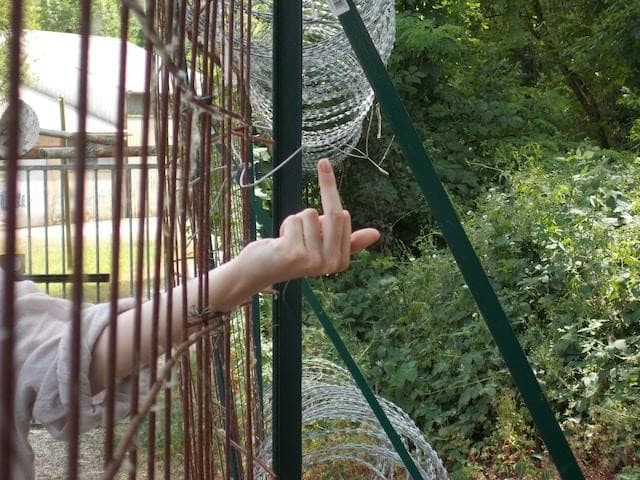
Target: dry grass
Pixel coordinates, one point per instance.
(45, 250)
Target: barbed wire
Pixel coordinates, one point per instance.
(339, 428)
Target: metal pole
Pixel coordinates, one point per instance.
(65, 187)
(287, 199)
(7, 376)
(80, 165)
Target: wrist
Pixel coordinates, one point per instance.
(233, 282)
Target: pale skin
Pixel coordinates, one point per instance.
(309, 245)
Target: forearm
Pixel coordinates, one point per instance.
(308, 245)
(228, 286)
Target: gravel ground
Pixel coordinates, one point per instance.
(51, 455)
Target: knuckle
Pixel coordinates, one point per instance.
(335, 216)
(293, 219)
(309, 213)
(332, 265)
(289, 253)
(286, 223)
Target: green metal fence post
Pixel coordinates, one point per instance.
(287, 199)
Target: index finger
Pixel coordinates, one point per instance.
(328, 190)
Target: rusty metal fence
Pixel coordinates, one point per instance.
(146, 221)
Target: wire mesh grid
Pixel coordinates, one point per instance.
(193, 409)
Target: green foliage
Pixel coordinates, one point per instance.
(64, 16)
(482, 80)
(471, 103)
(589, 48)
(512, 449)
(561, 245)
(631, 101)
(5, 19)
(59, 16)
(5, 12)
(629, 473)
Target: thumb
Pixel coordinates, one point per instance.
(291, 229)
(361, 239)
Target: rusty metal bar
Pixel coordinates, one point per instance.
(171, 28)
(142, 209)
(80, 168)
(191, 174)
(161, 129)
(116, 216)
(162, 142)
(7, 329)
(204, 211)
(232, 401)
(225, 344)
(94, 151)
(180, 168)
(243, 74)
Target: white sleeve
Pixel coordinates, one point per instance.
(47, 369)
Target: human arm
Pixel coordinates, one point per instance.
(309, 245)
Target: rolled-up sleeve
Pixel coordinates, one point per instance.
(42, 358)
(42, 351)
(51, 405)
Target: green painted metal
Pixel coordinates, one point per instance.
(287, 200)
(255, 299)
(364, 387)
(352, 367)
(458, 242)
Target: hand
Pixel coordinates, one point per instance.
(323, 244)
(311, 244)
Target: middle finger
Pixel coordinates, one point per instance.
(328, 189)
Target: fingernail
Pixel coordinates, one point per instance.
(324, 166)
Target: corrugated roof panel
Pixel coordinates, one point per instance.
(53, 70)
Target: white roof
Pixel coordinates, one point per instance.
(53, 66)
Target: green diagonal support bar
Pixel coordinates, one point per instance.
(263, 217)
(364, 387)
(457, 240)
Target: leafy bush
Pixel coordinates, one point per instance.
(473, 108)
(562, 248)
